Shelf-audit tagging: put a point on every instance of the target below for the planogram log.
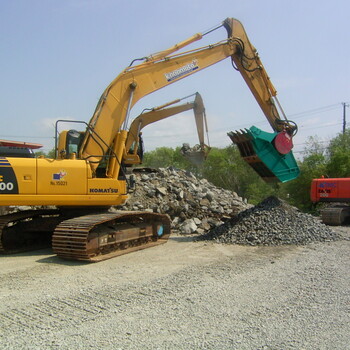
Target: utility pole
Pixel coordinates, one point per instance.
(344, 115)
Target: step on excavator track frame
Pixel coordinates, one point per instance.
(27, 230)
(103, 236)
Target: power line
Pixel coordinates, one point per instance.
(298, 115)
(316, 110)
(321, 126)
(305, 143)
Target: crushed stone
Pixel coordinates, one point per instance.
(194, 205)
(271, 222)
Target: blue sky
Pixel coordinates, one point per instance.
(57, 57)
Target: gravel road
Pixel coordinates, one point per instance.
(181, 295)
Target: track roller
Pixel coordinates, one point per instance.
(102, 236)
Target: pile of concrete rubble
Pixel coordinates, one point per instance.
(271, 222)
(194, 205)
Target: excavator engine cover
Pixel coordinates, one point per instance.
(258, 149)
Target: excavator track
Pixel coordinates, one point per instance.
(27, 230)
(102, 236)
(335, 216)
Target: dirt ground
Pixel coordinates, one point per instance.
(180, 295)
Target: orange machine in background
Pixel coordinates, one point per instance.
(335, 191)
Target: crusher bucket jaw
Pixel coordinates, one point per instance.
(269, 154)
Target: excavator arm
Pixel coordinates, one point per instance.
(108, 127)
(132, 144)
(247, 61)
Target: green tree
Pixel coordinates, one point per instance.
(219, 168)
(223, 167)
(312, 166)
(159, 158)
(338, 153)
(50, 154)
(163, 157)
(39, 153)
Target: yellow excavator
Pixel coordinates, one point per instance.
(88, 174)
(36, 233)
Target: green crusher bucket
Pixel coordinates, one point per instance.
(257, 149)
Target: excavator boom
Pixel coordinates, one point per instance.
(111, 117)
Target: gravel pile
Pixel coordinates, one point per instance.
(271, 222)
(194, 205)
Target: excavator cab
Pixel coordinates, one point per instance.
(269, 154)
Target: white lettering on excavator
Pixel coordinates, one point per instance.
(177, 73)
(103, 190)
(6, 186)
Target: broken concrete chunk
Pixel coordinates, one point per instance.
(188, 226)
(183, 196)
(162, 190)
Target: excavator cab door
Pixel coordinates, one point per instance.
(259, 149)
